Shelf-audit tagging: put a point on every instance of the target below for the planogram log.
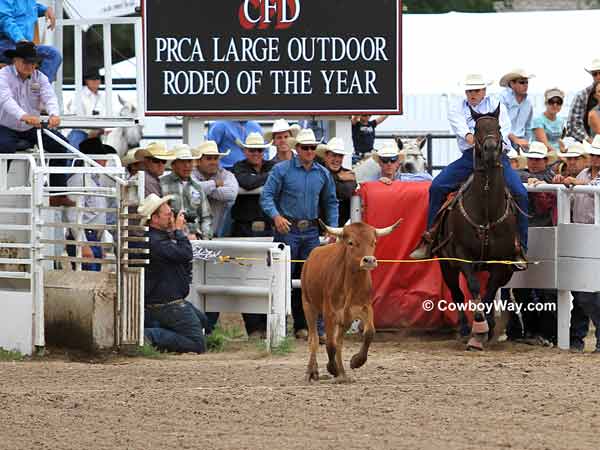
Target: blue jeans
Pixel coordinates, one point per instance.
(91, 236)
(76, 137)
(301, 243)
(176, 327)
(450, 179)
(51, 57)
(586, 306)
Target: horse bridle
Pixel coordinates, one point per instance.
(482, 142)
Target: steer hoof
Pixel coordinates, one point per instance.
(357, 361)
(332, 368)
(474, 344)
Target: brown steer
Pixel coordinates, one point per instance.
(336, 282)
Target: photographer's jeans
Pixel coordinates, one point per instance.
(51, 57)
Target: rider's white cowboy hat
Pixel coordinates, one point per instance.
(335, 145)
(473, 81)
(150, 204)
(208, 148)
(512, 154)
(575, 150)
(537, 150)
(389, 150)
(156, 150)
(594, 66)
(279, 126)
(305, 137)
(513, 75)
(255, 140)
(594, 148)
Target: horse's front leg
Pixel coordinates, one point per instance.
(480, 328)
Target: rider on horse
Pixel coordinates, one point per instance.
(450, 179)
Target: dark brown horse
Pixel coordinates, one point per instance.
(480, 225)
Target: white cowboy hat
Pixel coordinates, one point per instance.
(512, 154)
(183, 152)
(304, 137)
(150, 204)
(255, 140)
(389, 150)
(594, 148)
(537, 150)
(208, 148)
(335, 145)
(130, 157)
(474, 81)
(279, 126)
(594, 67)
(575, 150)
(513, 75)
(156, 150)
(553, 92)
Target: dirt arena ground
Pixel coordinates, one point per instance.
(415, 392)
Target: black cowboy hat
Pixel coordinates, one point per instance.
(94, 146)
(92, 74)
(26, 50)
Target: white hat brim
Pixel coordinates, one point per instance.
(535, 155)
(511, 76)
(472, 87)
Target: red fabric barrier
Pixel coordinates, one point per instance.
(400, 289)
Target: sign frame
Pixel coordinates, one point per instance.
(398, 110)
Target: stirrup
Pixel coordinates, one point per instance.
(423, 250)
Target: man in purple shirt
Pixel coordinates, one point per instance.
(24, 93)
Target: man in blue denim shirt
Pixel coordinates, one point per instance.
(518, 106)
(171, 323)
(292, 196)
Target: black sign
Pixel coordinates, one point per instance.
(271, 57)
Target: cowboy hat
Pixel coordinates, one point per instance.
(575, 150)
(92, 74)
(306, 136)
(594, 148)
(280, 126)
(594, 67)
(94, 146)
(473, 81)
(537, 150)
(26, 50)
(255, 140)
(553, 92)
(150, 204)
(130, 157)
(513, 75)
(183, 152)
(156, 150)
(335, 145)
(208, 148)
(512, 154)
(389, 150)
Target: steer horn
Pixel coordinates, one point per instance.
(332, 230)
(385, 231)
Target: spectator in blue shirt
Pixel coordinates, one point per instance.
(229, 136)
(519, 107)
(548, 128)
(17, 22)
(292, 196)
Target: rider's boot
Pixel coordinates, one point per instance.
(423, 251)
(521, 263)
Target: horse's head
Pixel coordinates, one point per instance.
(412, 154)
(488, 139)
(132, 135)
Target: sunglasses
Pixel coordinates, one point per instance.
(156, 161)
(595, 73)
(388, 160)
(555, 101)
(523, 81)
(308, 147)
(256, 150)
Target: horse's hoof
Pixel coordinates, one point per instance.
(480, 327)
(332, 368)
(357, 361)
(312, 375)
(474, 344)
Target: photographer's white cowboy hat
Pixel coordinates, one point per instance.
(255, 140)
(389, 150)
(575, 150)
(594, 66)
(305, 137)
(513, 75)
(279, 126)
(335, 145)
(208, 148)
(473, 81)
(156, 150)
(594, 148)
(150, 204)
(537, 150)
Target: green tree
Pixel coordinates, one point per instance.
(443, 6)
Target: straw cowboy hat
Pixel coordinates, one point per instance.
(304, 137)
(594, 66)
(156, 150)
(130, 157)
(513, 75)
(150, 204)
(279, 126)
(537, 150)
(335, 145)
(575, 150)
(473, 81)
(208, 148)
(255, 140)
(594, 148)
(389, 150)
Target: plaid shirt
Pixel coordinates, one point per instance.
(194, 201)
(575, 126)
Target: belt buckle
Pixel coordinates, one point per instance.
(258, 226)
(303, 224)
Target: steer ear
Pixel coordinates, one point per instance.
(385, 231)
(332, 230)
